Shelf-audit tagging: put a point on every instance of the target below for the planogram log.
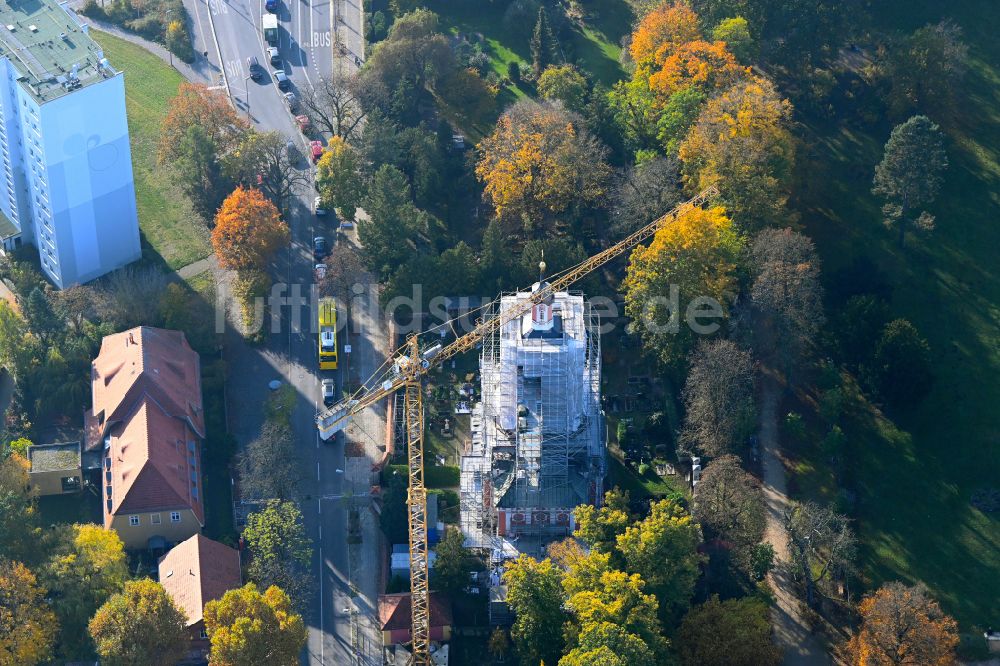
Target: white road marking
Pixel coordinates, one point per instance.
(317, 470)
(322, 631)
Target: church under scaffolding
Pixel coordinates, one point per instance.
(538, 436)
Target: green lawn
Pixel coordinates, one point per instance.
(916, 473)
(172, 233)
(594, 45)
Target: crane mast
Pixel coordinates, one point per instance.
(407, 373)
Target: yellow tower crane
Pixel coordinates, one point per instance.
(407, 371)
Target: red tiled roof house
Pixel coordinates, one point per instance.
(195, 572)
(395, 618)
(147, 419)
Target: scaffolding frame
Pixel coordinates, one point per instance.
(537, 436)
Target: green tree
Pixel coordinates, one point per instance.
(27, 624)
(856, 324)
(86, 565)
(600, 527)
(736, 632)
(544, 46)
(395, 225)
(338, 176)
(19, 446)
(279, 548)
(449, 574)
(41, 317)
(140, 626)
(496, 264)
(663, 549)
(901, 366)
(534, 593)
(735, 32)
(18, 517)
(910, 174)
(247, 627)
(922, 71)
(606, 644)
(598, 594)
(408, 63)
(565, 84)
(199, 172)
(679, 113)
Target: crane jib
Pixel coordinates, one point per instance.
(338, 416)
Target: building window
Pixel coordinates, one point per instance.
(133, 521)
(175, 517)
(154, 518)
(204, 635)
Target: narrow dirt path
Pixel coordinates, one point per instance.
(791, 631)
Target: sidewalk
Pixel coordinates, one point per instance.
(200, 71)
(197, 268)
(791, 631)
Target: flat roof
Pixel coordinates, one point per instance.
(49, 47)
(54, 457)
(7, 228)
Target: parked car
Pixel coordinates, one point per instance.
(319, 248)
(274, 56)
(304, 123)
(292, 100)
(254, 68)
(316, 148)
(282, 79)
(319, 272)
(329, 388)
(346, 224)
(271, 5)
(318, 207)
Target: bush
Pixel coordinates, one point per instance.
(513, 71)
(795, 426)
(441, 476)
(643, 469)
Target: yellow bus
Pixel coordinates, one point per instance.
(327, 334)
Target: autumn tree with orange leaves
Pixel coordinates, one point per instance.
(539, 162)
(676, 70)
(197, 106)
(903, 626)
(248, 231)
(703, 65)
(661, 31)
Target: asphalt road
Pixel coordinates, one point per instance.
(341, 616)
(230, 31)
